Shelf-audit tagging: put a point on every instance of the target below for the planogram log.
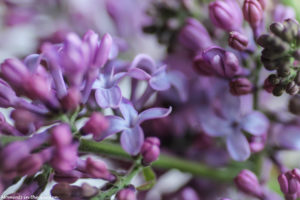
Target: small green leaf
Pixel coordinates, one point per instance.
(150, 179)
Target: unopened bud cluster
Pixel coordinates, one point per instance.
(281, 53)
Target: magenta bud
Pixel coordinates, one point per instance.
(96, 125)
(247, 182)
(37, 87)
(61, 135)
(231, 64)
(263, 4)
(103, 50)
(7, 95)
(268, 86)
(289, 183)
(240, 86)
(64, 158)
(150, 150)
(194, 36)
(253, 12)
(98, 169)
(201, 66)
(238, 41)
(126, 194)
(226, 14)
(14, 72)
(72, 99)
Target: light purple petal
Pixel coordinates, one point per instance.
(228, 105)
(159, 80)
(138, 74)
(108, 98)
(116, 124)
(214, 125)
(288, 137)
(132, 140)
(128, 111)
(144, 62)
(255, 123)
(153, 113)
(32, 62)
(238, 146)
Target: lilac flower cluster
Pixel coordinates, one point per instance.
(132, 97)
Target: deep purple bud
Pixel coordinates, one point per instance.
(37, 87)
(226, 14)
(150, 150)
(62, 190)
(12, 154)
(14, 72)
(282, 13)
(253, 12)
(30, 165)
(238, 41)
(194, 36)
(240, 86)
(103, 51)
(222, 63)
(247, 182)
(72, 99)
(201, 66)
(126, 194)
(61, 135)
(96, 125)
(98, 169)
(289, 183)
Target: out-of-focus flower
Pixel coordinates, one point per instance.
(282, 13)
(189, 194)
(227, 122)
(226, 14)
(132, 136)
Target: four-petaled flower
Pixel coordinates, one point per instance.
(132, 136)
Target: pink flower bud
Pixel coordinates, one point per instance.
(289, 183)
(96, 125)
(253, 12)
(226, 14)
(247, 182)
(98, 169)
(37, 87)
(126, 194)
(30, 165)
(64, 158)
(240, 86)
(150, 150)
(61, 135)
(25, 121)
(238, 41)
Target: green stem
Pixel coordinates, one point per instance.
(121, 183)
(164, 161)
(256, 84)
